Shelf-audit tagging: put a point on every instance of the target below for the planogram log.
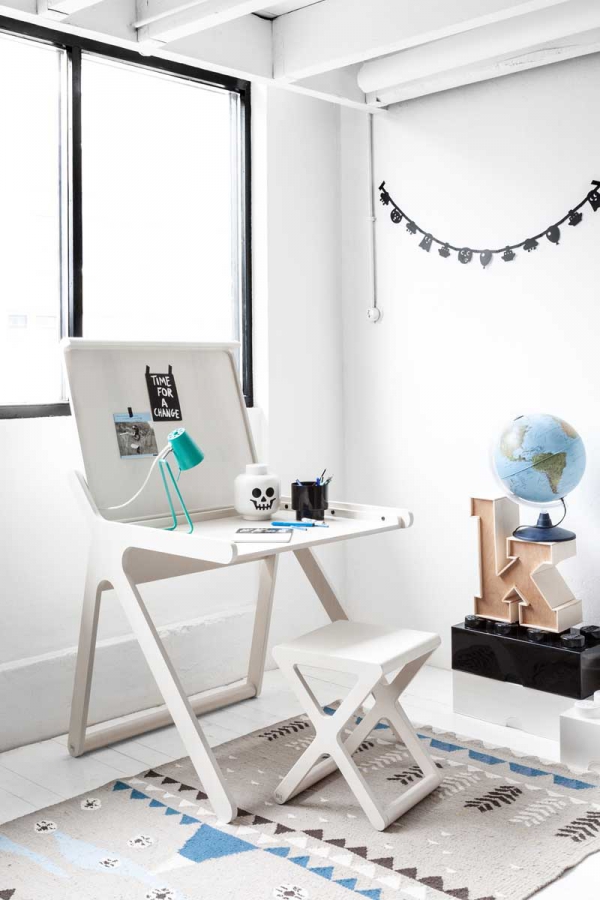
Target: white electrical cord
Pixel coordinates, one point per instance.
(164, 452)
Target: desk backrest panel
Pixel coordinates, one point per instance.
(108, 378)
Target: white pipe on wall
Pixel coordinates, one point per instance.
(374, 313)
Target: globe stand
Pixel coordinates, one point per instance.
(543, 532)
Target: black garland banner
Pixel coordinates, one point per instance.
(465, 254)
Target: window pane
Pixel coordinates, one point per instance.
(30, 287)
(160, 219)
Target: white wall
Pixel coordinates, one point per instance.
(406, 421)
(206, 618)
(461, 349)
(297, 308)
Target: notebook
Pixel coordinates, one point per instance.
(263, 535)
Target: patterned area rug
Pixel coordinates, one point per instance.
(500, 827)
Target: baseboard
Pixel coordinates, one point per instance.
(36, 692)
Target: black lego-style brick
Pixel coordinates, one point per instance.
(567, 664)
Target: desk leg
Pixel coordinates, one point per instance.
(94, 586)
(320, 584)
(176, 700)
(262, 621)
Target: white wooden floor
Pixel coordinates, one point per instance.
(39, 775)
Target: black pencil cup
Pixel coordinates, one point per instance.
(309, 499)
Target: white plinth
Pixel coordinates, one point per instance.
(502, 703)
(579, 740)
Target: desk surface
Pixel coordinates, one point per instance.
(345, 521)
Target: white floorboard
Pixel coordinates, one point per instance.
(26, 790)
(49, 765)
(39, 775)
(142, 754)
(12, 807)
(168, 742)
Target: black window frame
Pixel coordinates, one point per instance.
(75, 46)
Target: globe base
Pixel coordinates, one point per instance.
(544, 532)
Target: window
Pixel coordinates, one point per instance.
(159, 202)
(126, 214)
(31, 75)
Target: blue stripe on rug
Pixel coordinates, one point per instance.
(572, 783)
(560, 780)
(526, 770)
(278, 851)
(485, 758)
(443, 745)
(209, 843)
(323, 871)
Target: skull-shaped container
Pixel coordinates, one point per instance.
(257, 492)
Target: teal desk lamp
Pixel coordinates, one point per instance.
(187, 454)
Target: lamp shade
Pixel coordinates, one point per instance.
(186, 451)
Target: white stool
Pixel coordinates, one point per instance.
(370, 652)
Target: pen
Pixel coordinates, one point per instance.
(280, 526)
(298, 525)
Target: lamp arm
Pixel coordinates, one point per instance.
(164, 465)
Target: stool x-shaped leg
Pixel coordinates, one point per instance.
(329, 739)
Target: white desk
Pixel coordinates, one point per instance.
(125, 555)
(108, 378)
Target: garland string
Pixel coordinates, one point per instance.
(574, 217)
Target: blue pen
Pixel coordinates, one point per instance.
(278, 525)
(298, 525)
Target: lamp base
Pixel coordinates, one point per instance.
(544, 532)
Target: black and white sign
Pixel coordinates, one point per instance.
(162, 391)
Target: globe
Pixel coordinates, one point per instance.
(540, 459)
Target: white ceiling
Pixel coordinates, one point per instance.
(280, 9)
(367, 54)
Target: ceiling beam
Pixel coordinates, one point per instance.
(170, 20)
(507, 64)
(337, 33)
(342, 83)
(63, 7)
(475, 47)
(241, 48)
